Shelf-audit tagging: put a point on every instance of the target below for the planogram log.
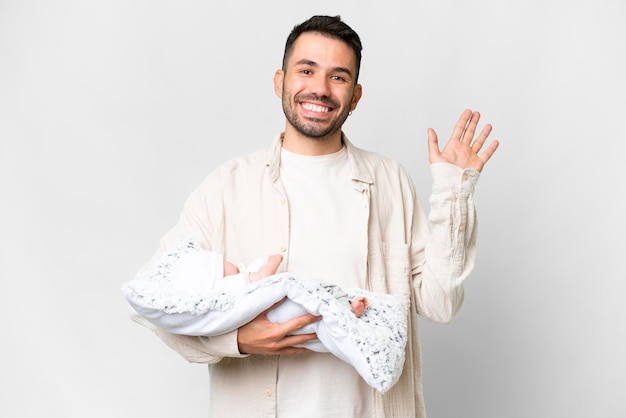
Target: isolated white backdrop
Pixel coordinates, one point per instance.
(111, 112)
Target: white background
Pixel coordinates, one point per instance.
(111, 112)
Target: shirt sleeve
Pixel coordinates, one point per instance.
(196, 221)
(450, 248)
(206, 350)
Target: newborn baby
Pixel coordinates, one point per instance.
(358, 304)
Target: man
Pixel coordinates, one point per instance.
(314, 196)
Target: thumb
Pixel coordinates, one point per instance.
(433, 146)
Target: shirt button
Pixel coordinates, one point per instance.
(283, 200)
(268, 393)
(282, 249)
(462, 228)
(465, 176)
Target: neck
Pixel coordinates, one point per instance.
(297, 143)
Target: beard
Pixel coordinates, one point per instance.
(313, 128)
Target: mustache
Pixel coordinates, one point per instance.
(315, 98)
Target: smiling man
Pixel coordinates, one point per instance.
(319, 90)
(339, 214)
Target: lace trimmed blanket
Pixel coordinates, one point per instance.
(374, 344)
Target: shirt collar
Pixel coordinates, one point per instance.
(360, 171)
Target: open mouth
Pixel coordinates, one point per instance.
(316, 108)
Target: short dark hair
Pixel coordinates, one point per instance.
(331, 26)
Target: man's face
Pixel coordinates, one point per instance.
(318, 87)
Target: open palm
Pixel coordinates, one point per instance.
(462, 149)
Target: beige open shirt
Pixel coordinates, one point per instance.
(241, 211)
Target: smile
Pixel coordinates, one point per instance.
(316, 108)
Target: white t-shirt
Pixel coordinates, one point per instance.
(326, 243)
(327, 237)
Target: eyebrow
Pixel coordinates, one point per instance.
(314, 64)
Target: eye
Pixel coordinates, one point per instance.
(306, 71)
(337, 78)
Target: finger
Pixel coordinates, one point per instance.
(273, 306)
(298, 322)
(486, 155)
(290, 351)
(470, 129)
(461, 124)
(288, 344)
(293, 340)
(478, 143)
(433, 146)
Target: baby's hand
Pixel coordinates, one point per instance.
(267, 269)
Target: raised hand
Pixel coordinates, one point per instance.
(462, 149)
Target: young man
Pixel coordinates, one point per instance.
(314, 196)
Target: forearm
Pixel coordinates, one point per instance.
(451, 245)
(196, 349)
(194, 222)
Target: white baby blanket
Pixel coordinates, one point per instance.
(373, 344)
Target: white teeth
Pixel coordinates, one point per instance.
(315, 108)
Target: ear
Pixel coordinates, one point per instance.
(279, 76)
(358, 92)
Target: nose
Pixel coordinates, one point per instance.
(320, 85)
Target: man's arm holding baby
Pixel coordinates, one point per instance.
(260, 336)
